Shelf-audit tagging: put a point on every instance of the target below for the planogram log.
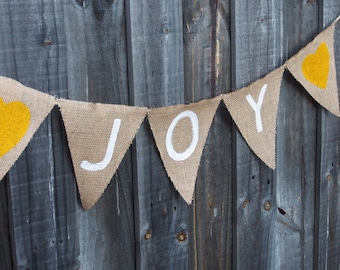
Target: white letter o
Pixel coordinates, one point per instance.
(168, 141)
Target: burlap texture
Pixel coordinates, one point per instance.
(326, 96)
(183, 172)
(88, 127)
(262, 143)
(38, 105)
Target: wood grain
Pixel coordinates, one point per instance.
(296, 150)
(156, 79)
(154, 54)
(327, 222)
(5, 241)
(97, 64)
(43, 223)
(207, 74)
(255, 53)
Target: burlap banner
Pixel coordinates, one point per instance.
(314, 68)
(98, 136)
(254, 110)
(180, 133)
(22, 110)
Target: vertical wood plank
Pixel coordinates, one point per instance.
(255, 52)
(97, 68)
(5, 244)
(156, 79)
(296, 148)
(177, 52)
(328, 204)
(43, 228)
(207, 74)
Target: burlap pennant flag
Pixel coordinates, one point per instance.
(22, 110)
(254, 110)
(314, 68)
(180, 133)
(98, 136)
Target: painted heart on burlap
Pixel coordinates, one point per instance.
(315, 67)
(14, 122)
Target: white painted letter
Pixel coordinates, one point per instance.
(168, 141)
(93, 167)
(257, 107)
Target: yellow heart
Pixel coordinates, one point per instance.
(14, 122)
(315, 67)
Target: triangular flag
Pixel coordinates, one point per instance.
(180, 133)
(98, 136)
(254, 110)
(22, 110)
(314, 68)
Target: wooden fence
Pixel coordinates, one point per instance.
(157, 53)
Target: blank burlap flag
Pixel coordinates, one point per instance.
(314, 68)
(98, 136)
(254, 110)
(22, 110)
(180, 133)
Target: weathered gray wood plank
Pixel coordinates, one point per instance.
(159, 53)
(157, 79)
(5, 244)
(255, 52)
(328, 171)
(207, 74)
(97, 67)
(42, 227)
(296, 148)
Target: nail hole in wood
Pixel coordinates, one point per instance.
(181, 237)
(82, 3)
(47, 42)
(147, 235)
(245, 203)
(281, 211)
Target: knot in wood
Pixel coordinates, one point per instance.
(181, 237)
(47, 42)
(147, 235)
(267, 205)
(245, 203)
